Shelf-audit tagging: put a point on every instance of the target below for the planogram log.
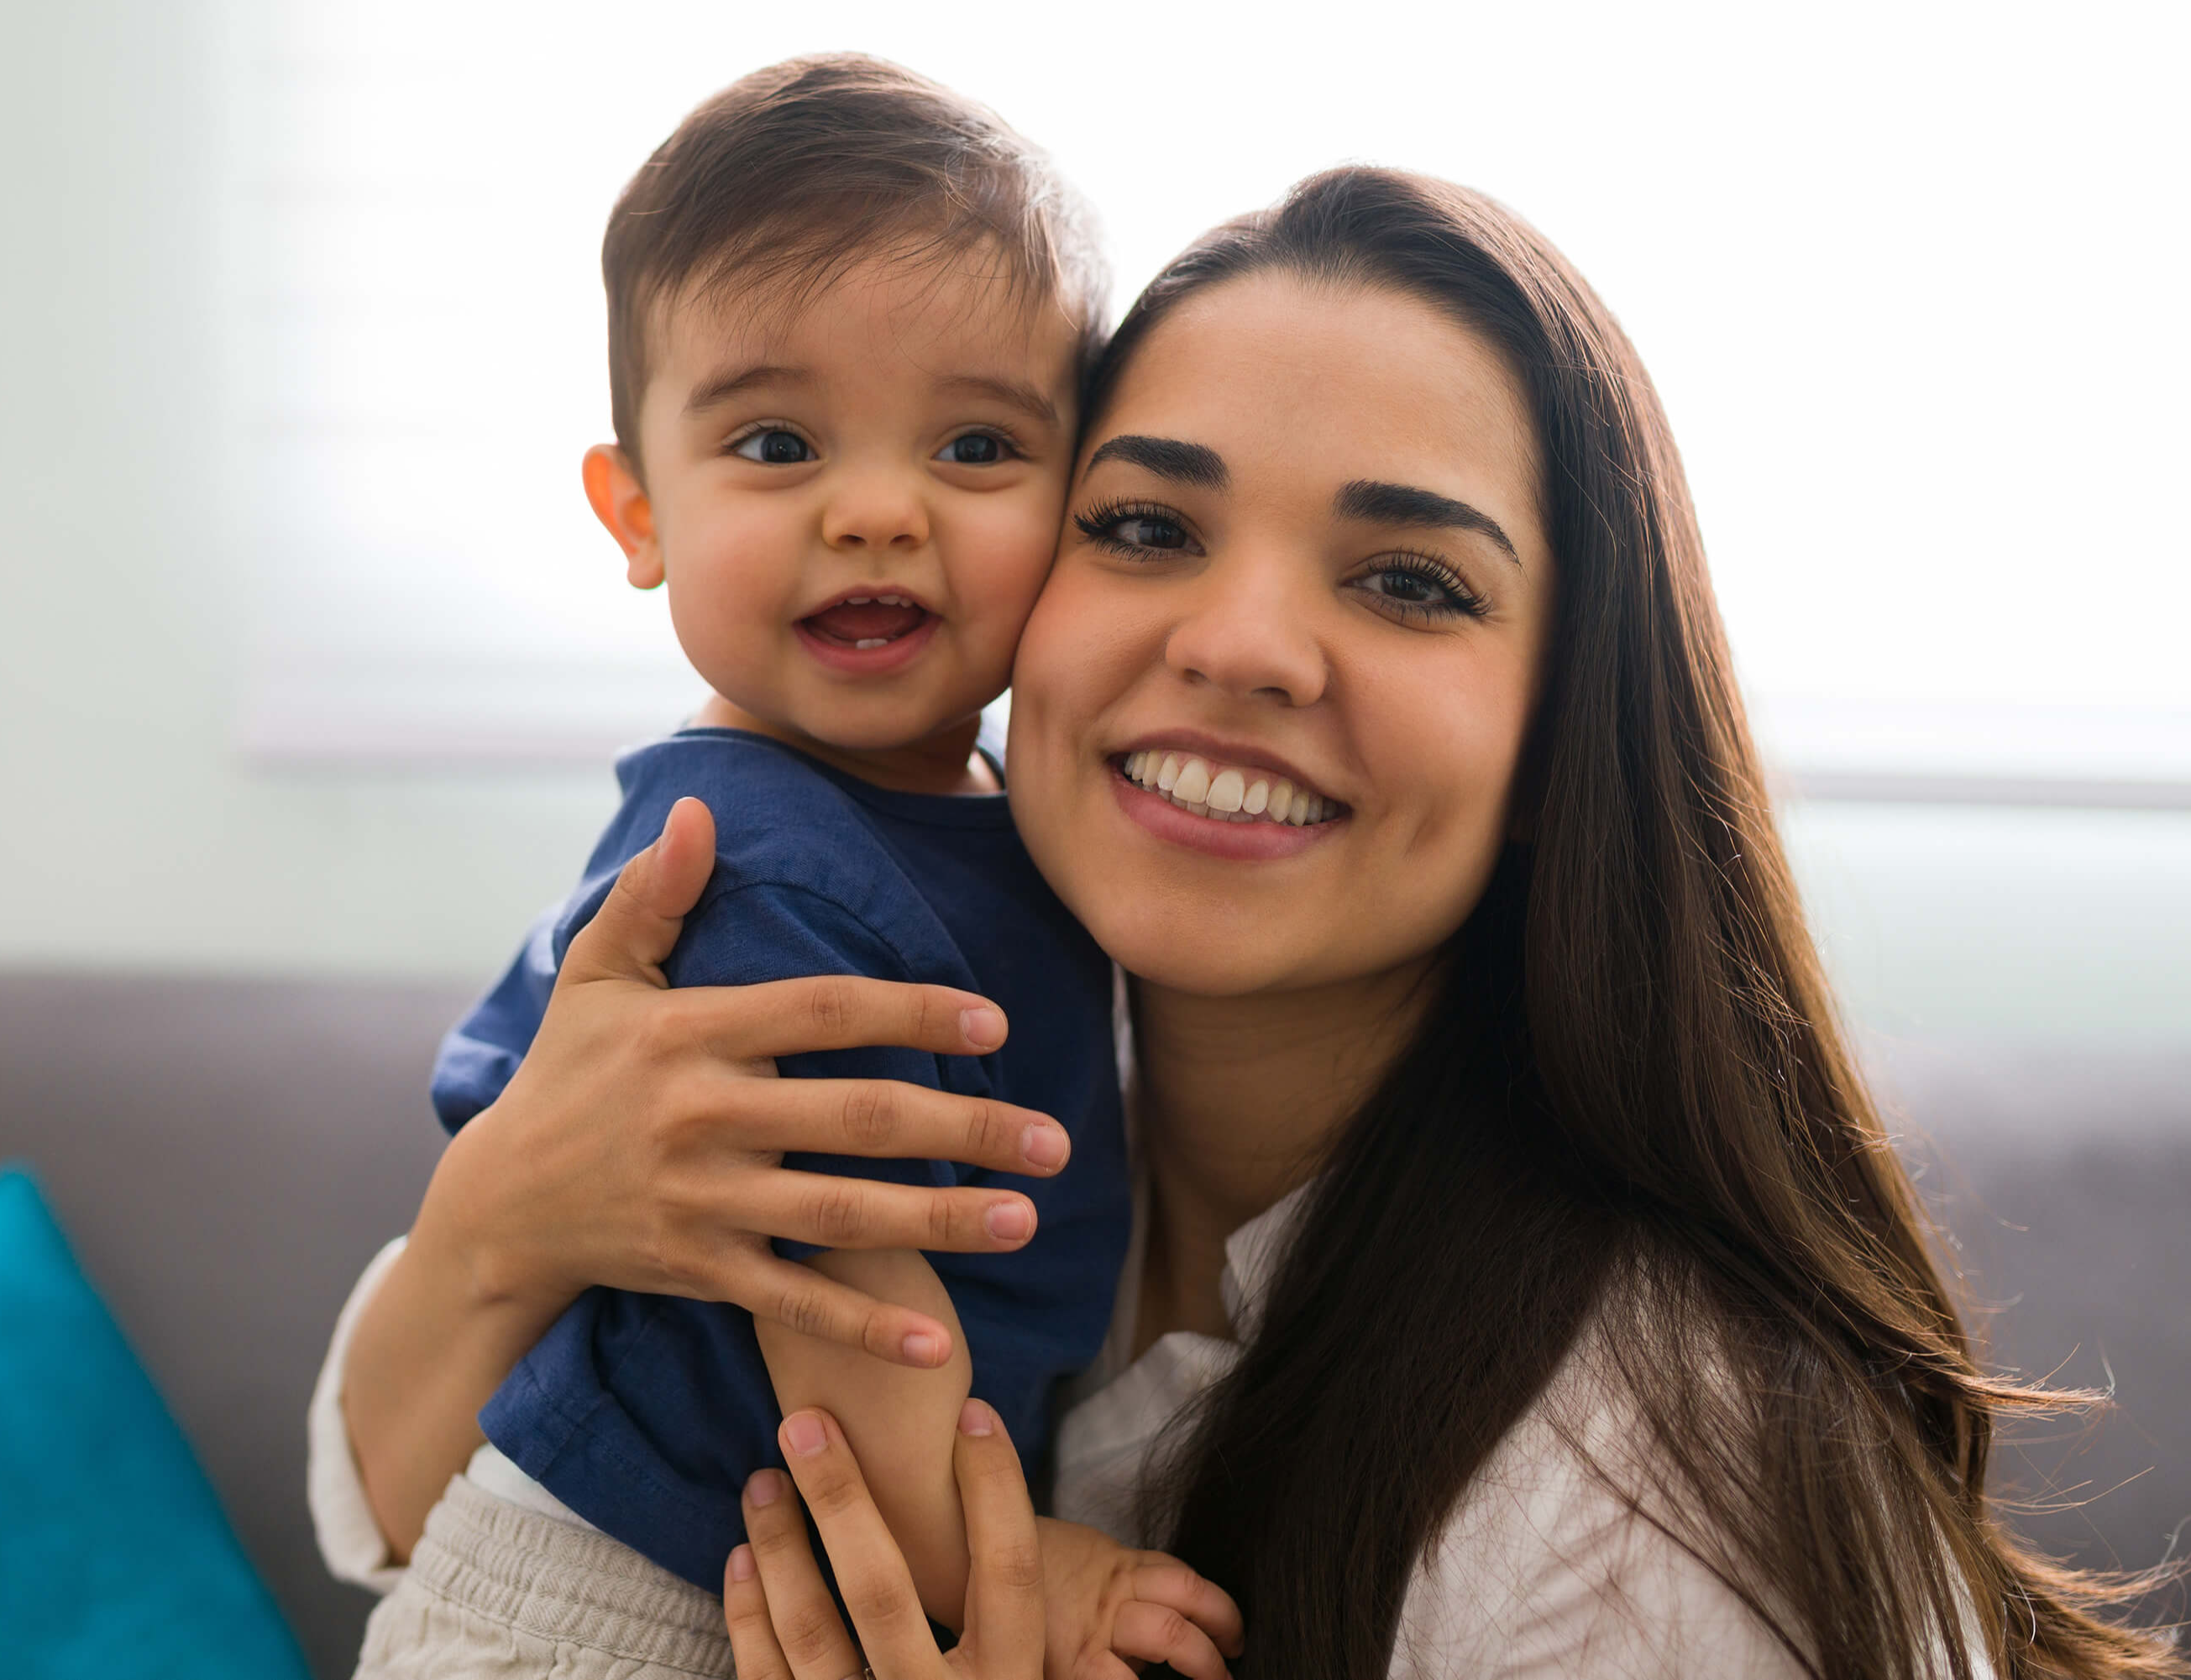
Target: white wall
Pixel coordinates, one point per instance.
(132, 834)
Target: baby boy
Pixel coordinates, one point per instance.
(849, 314)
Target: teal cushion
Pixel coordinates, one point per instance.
(115, 1558)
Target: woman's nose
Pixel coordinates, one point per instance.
(1248, 631)
(875, 508)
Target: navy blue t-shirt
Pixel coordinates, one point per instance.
(646, 1414)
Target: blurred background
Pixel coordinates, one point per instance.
(312, 660)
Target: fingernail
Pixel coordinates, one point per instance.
(984, 1028)
(923, 1350)
(976, 1419)
(1045, 1145)
(1009, 1221)
(803, 1433)
(742, 1567)
(764, 1487)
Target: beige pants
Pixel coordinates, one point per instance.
(496, 1590)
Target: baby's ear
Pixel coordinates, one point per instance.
(619, 502)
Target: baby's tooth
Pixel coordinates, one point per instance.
(1228, 792)
(1192, 786)
(1257, 799)
(1168, 773)
(1282, 797)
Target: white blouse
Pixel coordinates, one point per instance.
(1542, 1571)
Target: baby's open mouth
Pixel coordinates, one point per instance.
(1227, 792)
(865, 621)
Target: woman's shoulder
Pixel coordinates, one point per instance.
(1561, 1557)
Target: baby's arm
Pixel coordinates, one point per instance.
(902, 1423)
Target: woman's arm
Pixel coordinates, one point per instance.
(636, 1147)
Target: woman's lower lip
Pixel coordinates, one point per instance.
(867, 662)
(1242, 841)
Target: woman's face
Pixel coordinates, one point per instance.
(1304, 565)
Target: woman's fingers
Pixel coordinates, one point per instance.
(832, 1212)
(1169, 1582)
(638, 924)
(871, 1571)
(803, 1623)
(800, 1298)
(1158, 1633)
(754, 1652)
(889, 1119)
(1003, 1582)
(840, 1011)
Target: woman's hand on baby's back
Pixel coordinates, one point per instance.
(638, 1144)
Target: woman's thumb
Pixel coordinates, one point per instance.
(638, 924)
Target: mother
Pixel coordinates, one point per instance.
(1526, 1284)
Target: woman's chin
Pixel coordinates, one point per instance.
(1144, 942)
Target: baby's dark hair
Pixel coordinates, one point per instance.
(792, 174)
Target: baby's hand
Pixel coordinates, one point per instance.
(1111, 1610)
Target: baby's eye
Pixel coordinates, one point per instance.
(974, 449)
(774, 447)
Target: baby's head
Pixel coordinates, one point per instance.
(848, 312)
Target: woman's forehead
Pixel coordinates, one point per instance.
(1283, 375)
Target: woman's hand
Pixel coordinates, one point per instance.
(782, 1623)
(638, 1146)
(1041, 1596)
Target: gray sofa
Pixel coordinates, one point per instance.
(226, 1155)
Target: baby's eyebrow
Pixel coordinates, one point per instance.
(1013, 392)
(727, 383)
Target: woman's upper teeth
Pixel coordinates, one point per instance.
(1225, 791)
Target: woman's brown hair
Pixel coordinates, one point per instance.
(1629, 1110)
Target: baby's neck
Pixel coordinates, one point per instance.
(944, 762)
(1238, 1100)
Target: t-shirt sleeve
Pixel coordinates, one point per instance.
(482, 1051)
(755, 932)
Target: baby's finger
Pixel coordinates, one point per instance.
(1167, 1581)
(1005, 1616)
(871, 1570)
(1158, 1633)
(803, 1619)
(755, 1654)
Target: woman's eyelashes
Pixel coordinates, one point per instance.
(1418, 586)
(1135, 530)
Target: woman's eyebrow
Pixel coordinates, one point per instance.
(1191, 463)
(1406, 504)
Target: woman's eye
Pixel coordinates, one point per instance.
(774, 448)
(1134, 530)
(973, 449)
(1421, 593)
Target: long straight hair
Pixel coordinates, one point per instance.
(1629, 1108)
